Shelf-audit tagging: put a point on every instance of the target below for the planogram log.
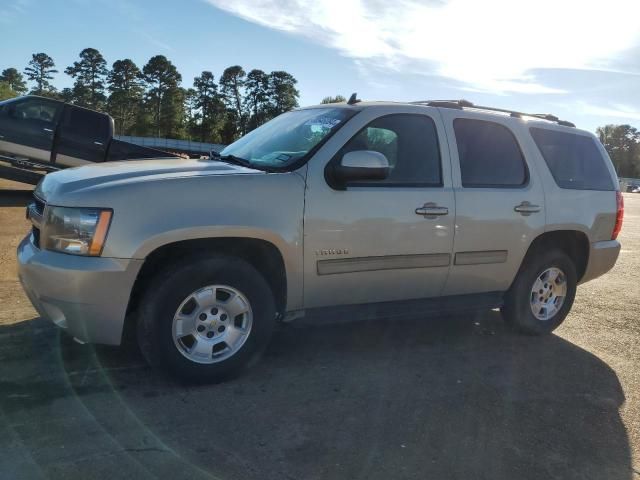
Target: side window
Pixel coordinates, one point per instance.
(489, 154)
(35, 111)
(574, 160)
(410, 143)
(85, 123)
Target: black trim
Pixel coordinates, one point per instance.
(520, 186)
(331, 164)
(412, 308)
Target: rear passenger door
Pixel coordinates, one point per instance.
(499, 200)
(83, 137)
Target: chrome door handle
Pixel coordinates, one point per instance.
(98, 143)
(48, 130)
(527, 208)
(431, 210)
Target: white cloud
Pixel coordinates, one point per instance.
(488, 45)
(614, 111)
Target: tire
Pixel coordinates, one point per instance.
(166, 343)
(519, 306)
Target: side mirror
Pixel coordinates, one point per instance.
(360, 165)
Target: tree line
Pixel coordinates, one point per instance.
(150, 101)
(623, 145)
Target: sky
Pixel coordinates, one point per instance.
(579, 60)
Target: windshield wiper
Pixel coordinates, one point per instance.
(230, 159)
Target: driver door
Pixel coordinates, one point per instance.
(372, 241)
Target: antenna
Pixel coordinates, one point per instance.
(353, 99)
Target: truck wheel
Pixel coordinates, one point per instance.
(542, 293)
(204, 320)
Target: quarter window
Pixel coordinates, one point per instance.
(574, 160)
(410, 143)
(489, 154)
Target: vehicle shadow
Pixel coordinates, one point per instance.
(15, 198)
(451, 397)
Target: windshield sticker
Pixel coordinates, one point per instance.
(326, 122)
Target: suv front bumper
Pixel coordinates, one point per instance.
(87, 296)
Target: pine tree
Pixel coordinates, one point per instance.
(14, 80)
(40, 70)
(89, 74)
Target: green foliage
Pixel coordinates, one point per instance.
(89, 74)
(6, 91)
(14, 80)
(622, 143)
(40, 70)
(126, 86)
(152, 102)
(283, 95)
(209, 109)
(336, 99)
(231, 84)
(163, 80)
(256, 100)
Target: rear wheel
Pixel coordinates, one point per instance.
(542, 294)
(207, 318)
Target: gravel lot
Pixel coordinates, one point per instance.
(447, 398)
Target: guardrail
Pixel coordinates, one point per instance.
(172, 144)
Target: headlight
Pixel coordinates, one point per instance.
(78, 231)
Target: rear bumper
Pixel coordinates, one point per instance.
(87, 296)
(602, 258)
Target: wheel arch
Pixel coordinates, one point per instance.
(574, 243)
(263, 255)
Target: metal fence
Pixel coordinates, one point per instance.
(172, 144)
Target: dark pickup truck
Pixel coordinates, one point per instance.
(40, 135)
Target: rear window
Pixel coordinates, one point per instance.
(489, 155)
(85, 123)
(574, 160)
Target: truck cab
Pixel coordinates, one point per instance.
(53, 133)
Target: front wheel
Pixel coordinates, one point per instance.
(205, 319)
(542, 294)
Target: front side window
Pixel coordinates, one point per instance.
(489, 155)
(288, 138)
(34, 110)
(410, 143)
(574, 160)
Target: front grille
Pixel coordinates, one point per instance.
(35, 235)
(38, 210)
(39, 205)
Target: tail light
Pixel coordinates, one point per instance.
(619, 215)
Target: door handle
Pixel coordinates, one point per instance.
(431, 209)
(98, 143)
(48, 130)
(527, 208)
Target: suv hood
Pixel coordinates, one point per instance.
(101, 174)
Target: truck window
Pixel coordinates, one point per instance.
(410, 143)
(34, 110)
(574, 160)
(85, 123)
(489, 155)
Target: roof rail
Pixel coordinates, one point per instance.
(460, 104)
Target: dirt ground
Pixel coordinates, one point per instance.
(455, 397)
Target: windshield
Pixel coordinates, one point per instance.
(288, 137)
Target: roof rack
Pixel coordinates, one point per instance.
(460, 104)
